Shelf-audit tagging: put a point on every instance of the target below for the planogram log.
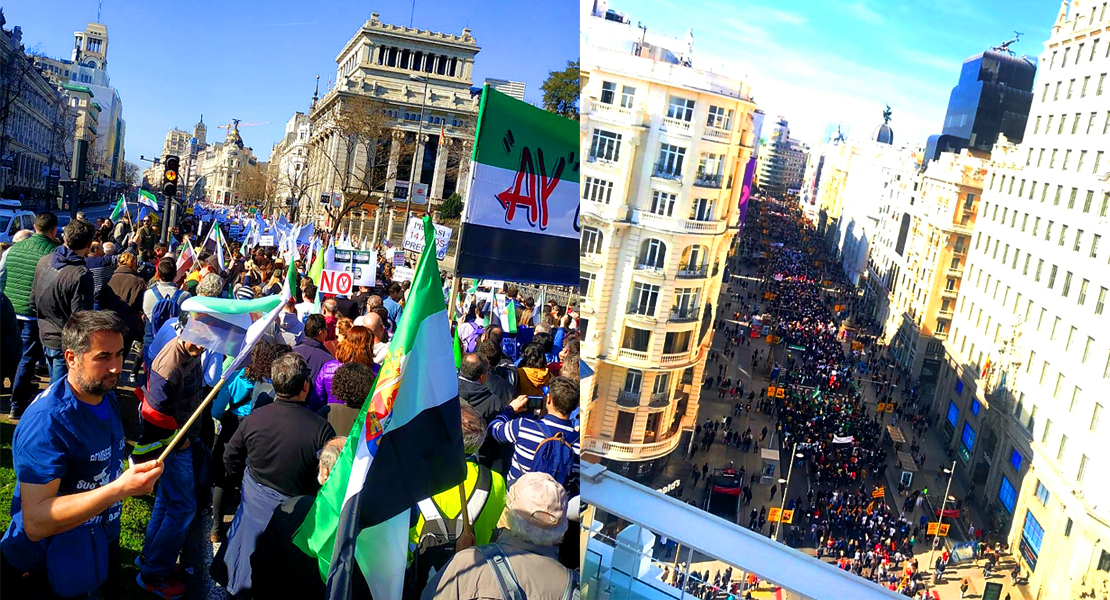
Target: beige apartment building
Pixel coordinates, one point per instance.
(931, 235)
(665, 147)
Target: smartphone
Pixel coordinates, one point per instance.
(535, 402)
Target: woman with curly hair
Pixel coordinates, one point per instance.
(352, 385)
(357, 345)
(245, 390)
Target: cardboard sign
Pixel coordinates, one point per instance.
(403, 274)
(414, 238)
(361, 264)
(773, 515)
(771, 391)
(780, 393)
(890, 407)
(266, 240)
(937, 529)
(787, 516)
(398, 258)
(335, 282)
(881, 407)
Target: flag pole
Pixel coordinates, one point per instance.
(192, 419)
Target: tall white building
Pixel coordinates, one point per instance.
(1030, 339)
(87, 71)
(666, 146)
(782, 163)
(512, 88)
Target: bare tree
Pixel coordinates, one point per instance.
(131, 173)
(361, 166)
(296, 183)
(258, 186)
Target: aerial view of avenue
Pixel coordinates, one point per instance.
(842, 299)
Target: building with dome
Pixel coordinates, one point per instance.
(221, 163)
(883, 133)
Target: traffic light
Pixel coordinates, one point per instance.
(169, 176)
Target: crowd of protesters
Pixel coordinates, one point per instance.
(100, 305)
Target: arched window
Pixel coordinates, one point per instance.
(693, 258)
(653, 254)
(592, 240)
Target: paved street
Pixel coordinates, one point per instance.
(721, 455)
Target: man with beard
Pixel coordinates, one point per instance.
(68, 453)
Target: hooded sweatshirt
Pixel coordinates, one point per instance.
(532, 380)
(63, 286)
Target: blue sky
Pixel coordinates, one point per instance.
(815, 61)
(257, 61)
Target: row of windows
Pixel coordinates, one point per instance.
(1079, 47)
(1083, 86)
(1057, 195)
(1062, 125)
(1054, 153)
(606, 146)
(1038, 270)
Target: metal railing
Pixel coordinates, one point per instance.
(707, 180)
(696, 273)
(683, 314)
(628, 399)
(665, 171)
(658, 400)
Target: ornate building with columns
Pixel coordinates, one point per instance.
(410, 71)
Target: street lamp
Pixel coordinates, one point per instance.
(415, 153)
(786, 487)
(950, 471)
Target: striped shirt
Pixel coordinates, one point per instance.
(526, 435)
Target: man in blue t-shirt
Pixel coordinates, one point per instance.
(68, 456)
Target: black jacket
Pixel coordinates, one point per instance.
(482, 398)
(63, 286)
(280, 440)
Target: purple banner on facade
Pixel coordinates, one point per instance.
(745, 192)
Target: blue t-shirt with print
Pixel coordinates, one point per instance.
(60, 437)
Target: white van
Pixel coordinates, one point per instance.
(12, 219)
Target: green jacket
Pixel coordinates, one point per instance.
(22, 258)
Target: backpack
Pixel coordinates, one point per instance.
(555, 456)
(469, 336)
(506, 578)
(165, 309)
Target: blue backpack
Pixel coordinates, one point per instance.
(165, 309)
(555, 455)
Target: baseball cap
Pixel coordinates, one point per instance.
(538, 499)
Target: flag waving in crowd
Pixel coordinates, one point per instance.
(404, 447)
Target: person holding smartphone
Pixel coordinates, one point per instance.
(528, 434)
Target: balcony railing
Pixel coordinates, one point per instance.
(612, 110)
(707, 180)
(619, 451)
(720, 135)
(695, 273)
(695, 226)
(665, 171)
(659, 400)
(944, 314)
(650, 219)
(628, 399)
(676, 125)
(678, 358)
(949, 293)
(683, 315)
(636, 310)
(649, 268)
(633, 354)
(590, 258)
(957, 272)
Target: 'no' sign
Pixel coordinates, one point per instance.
(335, 282)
